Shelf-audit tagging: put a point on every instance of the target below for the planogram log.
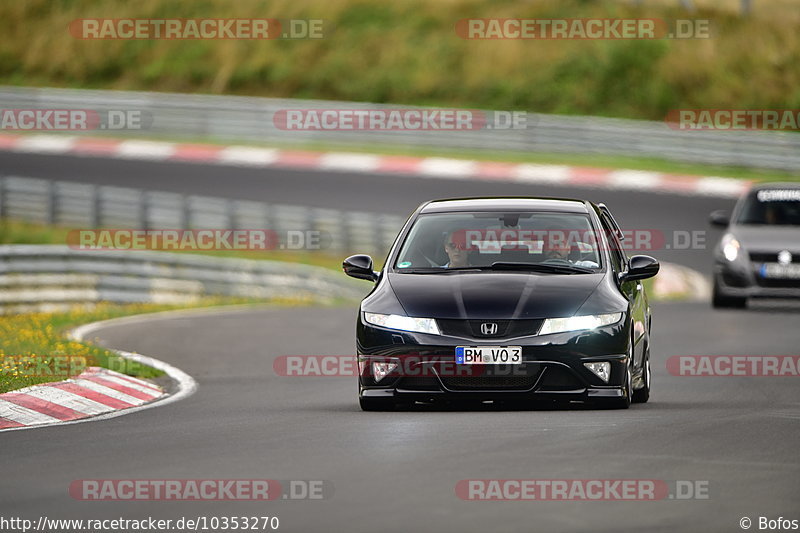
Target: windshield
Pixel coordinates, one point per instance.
(460, 241)
(778, 207)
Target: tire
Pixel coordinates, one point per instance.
(376, 404)
(643, 394)
(720, 301)
(625, 401)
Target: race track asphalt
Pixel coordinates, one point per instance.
(398, 471)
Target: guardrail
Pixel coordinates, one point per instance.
(250, 119)
(51, 277)
(87, 206)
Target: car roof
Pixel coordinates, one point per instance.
(506, 203)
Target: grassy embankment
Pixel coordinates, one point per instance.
(408, 52)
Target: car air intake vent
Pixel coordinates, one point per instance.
(523, 377)
(557, 378)
(477, 328)
(760, 257)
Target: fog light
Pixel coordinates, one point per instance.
(601, 370)
(381, 370)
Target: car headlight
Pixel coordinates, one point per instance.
(576, 323)
(730, 247)
(405, 323)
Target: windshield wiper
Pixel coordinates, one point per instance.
(440, 270)
(504, 265)
(542, 267)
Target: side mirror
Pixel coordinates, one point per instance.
(641, 267)
(719, 218)
(359, 267)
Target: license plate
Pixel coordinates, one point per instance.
(488, 355)
(776, 270)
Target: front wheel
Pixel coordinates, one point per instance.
(643, 394)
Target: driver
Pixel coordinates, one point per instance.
(558, 249)
(456, 249)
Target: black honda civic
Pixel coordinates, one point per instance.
(494, 299)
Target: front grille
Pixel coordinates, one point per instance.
(764, 257)
(509, 377)
(505, 328)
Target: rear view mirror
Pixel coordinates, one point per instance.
(641, 267)
(359, 267)
(719, 219)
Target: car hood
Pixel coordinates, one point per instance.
(768, 238)
(493, 295)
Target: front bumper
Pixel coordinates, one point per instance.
(744, 280)
(552, 366)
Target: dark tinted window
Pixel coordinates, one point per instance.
(778, 207)
(615, 246)
(450, 240)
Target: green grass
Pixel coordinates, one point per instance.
(34, 348)
(407, 52)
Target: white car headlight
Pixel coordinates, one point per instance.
(405, 323)
(576, 323)
(730, 247)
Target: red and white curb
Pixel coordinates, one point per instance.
(434, 167)
(96, 394)
(96, 391)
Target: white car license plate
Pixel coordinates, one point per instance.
(488, 355)
(776, 270)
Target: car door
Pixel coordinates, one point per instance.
(633, 291)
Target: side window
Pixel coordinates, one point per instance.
(616, 253)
